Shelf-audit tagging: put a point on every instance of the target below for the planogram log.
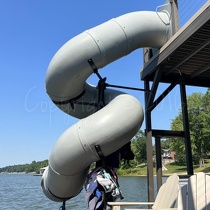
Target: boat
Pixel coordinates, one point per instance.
(41, 171)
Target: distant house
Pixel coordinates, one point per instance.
(173, 155)
(167, 154)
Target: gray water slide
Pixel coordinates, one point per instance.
(110, 127)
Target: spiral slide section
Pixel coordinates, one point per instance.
(116, 123)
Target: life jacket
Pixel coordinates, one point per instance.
(101, 186)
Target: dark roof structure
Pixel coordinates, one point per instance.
(186, 55)
(183, 60)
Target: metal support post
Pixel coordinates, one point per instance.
(186, 130)
(158, 162)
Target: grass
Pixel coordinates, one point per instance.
(182, 169)
(171, 168)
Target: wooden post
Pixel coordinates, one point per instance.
(175, 16)
(116, 207)
(158, 162)
(150, 176)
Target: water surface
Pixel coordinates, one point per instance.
(23, 191)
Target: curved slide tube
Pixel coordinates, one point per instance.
(112, 126)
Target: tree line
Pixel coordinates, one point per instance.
(31, 167)
(199, 126)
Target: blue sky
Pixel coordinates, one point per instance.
(31, 32)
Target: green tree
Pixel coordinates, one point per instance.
(177, 144)
(139, 147)
(166, 144)
(199, 121)
(33, 167)
(206, 115)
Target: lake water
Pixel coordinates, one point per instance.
(23, 191)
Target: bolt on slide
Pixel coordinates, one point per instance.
(116, 123)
